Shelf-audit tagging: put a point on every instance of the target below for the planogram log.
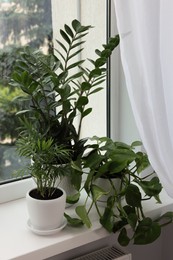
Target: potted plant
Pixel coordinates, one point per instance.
(57, 89)
(122, 204)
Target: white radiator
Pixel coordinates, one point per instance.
(107, 253)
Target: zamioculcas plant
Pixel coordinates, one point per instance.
(57, 88)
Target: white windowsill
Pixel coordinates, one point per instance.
(17, 242)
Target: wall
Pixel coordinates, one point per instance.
(161, 249)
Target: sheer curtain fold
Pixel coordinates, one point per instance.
(146, 41)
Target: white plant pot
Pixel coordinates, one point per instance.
(46, 214)
(66, 185)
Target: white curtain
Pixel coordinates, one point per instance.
(146, 44)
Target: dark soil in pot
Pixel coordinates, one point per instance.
(56, 193)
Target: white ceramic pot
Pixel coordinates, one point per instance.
(46, 214)
(105, 185)
(66, 185)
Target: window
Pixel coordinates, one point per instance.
(32, 22)
(22, 23)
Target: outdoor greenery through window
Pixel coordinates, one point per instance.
(22, 22)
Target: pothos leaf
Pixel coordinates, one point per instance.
(147, 232)
(73, 221)
(82, 213)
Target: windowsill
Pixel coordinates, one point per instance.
(17, 242)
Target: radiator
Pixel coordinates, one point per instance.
(107, 253)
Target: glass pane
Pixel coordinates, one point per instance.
(22, 23)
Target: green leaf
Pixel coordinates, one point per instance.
(136, 143)
(62, 45)
(132, 220)
(142, 161)
(77, 44)
(75, 53)
(73, 221)
(100, 62)
(146, 232)
(97, 192)
(119, 224)
(123, 155)
(133, 196)
(80, 36)
(107, 219)
(69, 30)
(82, 213)
(62, 56)
(73, 198)
(166, 218)
(75, 64)
(22, 112)
(96, 90)
(86, 112)
(75, 76)
(123, 239)
(76, 179)
(98, 83)
(98, 52)
(76, 25)
(65, 36)
(82, 101)
(106, 53)
(85, 86)
(83, 28)
(152, 187)
(95, 73)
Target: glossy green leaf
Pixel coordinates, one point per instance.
(76, 64)
(82, 101)
(76, 44)
(152, 187)
(76, 25)
(98, 52)
(136, 143)
(82, 213)
(97, 192)
(100, 62)
(76, 179)
(68, 30)
(62, 46)
(146, 232)
(75, 53)
(86, 112)
(81, 35)
(72, 199)
(123, 238)
(95, 73)
(133, 196)
(132, 220)
(83, 29)
(76, 222)
(85, 86)
(107, 219)
(106, 53)
(65, 36)
(166, 218)
(96, 90)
